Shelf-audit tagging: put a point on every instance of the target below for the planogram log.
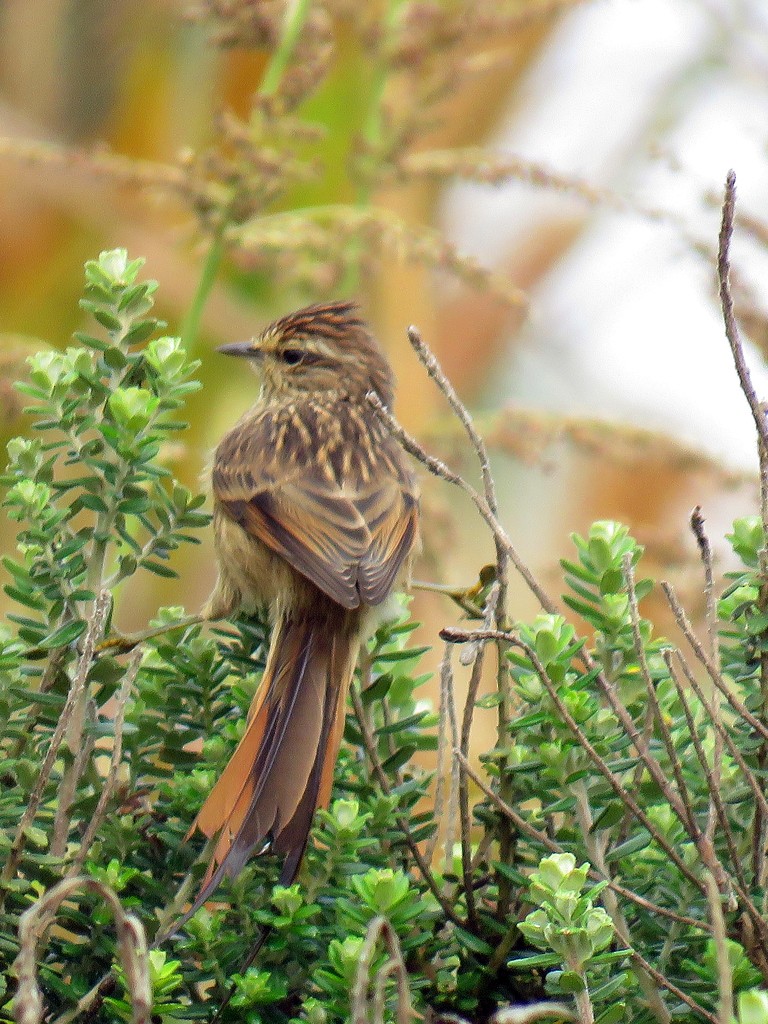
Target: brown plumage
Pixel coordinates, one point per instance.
(315, 516)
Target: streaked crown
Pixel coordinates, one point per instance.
(327, 346)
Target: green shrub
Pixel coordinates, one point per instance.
(611, 847)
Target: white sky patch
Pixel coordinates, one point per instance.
(627, 325)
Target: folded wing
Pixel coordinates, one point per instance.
(347, 529)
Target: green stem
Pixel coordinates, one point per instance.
(373, 120)
(586, 1013)
(371, 132)
(295, 16)
(191, 327)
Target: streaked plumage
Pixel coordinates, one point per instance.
(315, 515)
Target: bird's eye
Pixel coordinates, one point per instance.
(292, 356)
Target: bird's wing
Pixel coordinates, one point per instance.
(347, 536)
(390, 507)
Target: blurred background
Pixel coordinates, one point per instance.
(536, 185)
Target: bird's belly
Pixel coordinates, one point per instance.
(257, 576)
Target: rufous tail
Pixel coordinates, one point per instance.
(282, 769)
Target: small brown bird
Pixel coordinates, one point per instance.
(315, 516)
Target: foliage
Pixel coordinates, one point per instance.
(633, 791)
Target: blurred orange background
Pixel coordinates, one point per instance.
(606, 128)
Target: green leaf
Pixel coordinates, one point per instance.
(535, 960)
(158, 568)
(473, 942)
(402, 724)
(65, 635)
(378, 689)
(570, 981)
(634, 845)
(399, 758)
(140, 331)
(48, 699)
(105, 318)
(614, 1014)
(89, 501)
(389, 656)
(610, 815)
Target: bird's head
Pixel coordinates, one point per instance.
(323, 348)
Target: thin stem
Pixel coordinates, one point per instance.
(734, 341)
(76, 691)
(684, 810)
(131, 944)
(459, 636)
(295, 16)
(190, 330)
(679, 801)
(759, 825)
(712, 784)
(728, 740)
(370, 749)
(379, 927)
(584, 1009)
(705, 550)
(724, 968)
(439, 469)
(129, 677)
(447, 723)
(714, 674)
(504, 554)
(464, 808)
(550, 844)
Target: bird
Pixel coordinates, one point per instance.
(316, 519)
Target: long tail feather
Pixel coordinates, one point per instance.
(282, 769)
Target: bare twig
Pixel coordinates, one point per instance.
(733, 749)
(757, 408)
(74, 699)
(705, 550)
(458, 636)
(682, 807)
(550, 844)
(724, 968)
(740, 885)
(446, 720)
(453, 802)
(433, 368)
(734, 340)
(677, 801)
(370, 748)
(132, 946)
(129, 677)
(79, 741)
(660, 979)
(439, 469)
(504, 554)
(478, 653)
(532, 1012)
(715, 799)
(465, 813)
(519, 821)
(379, 927)
(683, 622)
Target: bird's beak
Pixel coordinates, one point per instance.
(240, 348)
